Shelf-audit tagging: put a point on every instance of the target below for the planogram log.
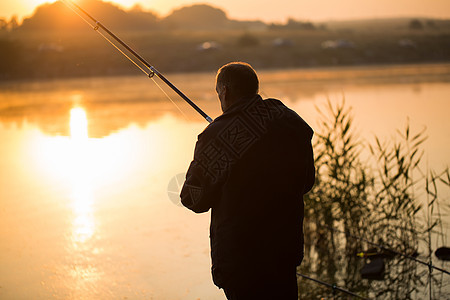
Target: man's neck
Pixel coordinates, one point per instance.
(238, 101)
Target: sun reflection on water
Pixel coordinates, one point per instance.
(82, 194)
(89, 176)
(78, 124)
(83, 273)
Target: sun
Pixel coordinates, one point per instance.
(25, 8)
(124, 3)
(35, 3)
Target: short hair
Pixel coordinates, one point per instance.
(239, 77)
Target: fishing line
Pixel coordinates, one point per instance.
(332, 286)
(429, 265)
(150, 75)
(106, 38)
(71, 5)
(120, 50)
(168, 97)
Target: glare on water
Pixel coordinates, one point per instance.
(99, 201)
(78, 124)
(82, 197)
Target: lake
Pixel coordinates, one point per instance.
(88, 171)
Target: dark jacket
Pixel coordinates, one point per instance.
(252, 166)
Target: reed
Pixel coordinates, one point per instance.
(380, 192)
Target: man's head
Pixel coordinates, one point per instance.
(236, 81)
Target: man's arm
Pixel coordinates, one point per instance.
(193, 191)
(200, 190)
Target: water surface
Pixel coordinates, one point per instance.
(85, 166)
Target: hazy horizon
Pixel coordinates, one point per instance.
(316, 11)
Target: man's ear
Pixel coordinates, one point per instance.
(224, 91)
(221, 89)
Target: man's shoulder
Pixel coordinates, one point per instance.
(256, 115)
(213, 128)
(278, 104)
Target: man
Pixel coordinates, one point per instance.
(251, 167)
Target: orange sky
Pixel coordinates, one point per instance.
(279, 10)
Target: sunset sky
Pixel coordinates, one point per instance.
(280, 10)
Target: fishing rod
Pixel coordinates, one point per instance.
(429, 265)
(72, 5)
(333, 286)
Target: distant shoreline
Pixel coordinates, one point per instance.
(346, 73)
(55, 43)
